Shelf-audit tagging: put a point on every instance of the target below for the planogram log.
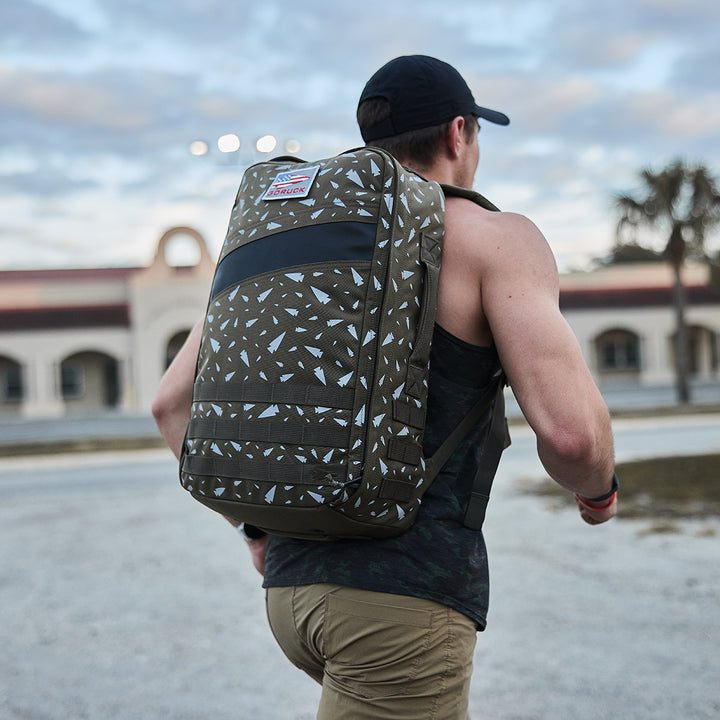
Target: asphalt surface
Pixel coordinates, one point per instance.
(123, 599)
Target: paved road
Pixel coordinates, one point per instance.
(123, 599)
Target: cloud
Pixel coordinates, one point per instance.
(540, 104)
(80, 103)
(23, 23)
(100, 100)
(696, 71)
(676, 116)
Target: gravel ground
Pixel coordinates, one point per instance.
(123, 599)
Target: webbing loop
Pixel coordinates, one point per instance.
(269, 432)
(282, 393)
(259, 470)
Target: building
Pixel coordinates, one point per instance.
(77, 341)
(624, 319)
(85, 340)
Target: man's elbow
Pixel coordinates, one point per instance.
(582, 446)
(157, 408)
(164, 408)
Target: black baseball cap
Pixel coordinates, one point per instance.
(422, 91)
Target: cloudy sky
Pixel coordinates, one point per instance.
(101, 99)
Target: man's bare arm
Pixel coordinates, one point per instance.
(542, 359)
(171, 410)
(172, 403)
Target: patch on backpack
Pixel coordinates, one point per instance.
(292, 184)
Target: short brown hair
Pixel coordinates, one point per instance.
(419, 146)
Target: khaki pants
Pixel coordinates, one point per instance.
(377, 656)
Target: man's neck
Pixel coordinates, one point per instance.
(441, 172)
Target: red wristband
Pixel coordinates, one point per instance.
(607, 506)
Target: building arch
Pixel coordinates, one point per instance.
(182, 247)
(12, 385)
(618, 354)
(89, 380)
(703, 351)
(174, 344)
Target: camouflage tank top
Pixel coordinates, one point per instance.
(437, 558)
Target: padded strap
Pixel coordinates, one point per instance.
(443, 453)
(498, 437)
(476, 197)
(497, 440)
(430, 253)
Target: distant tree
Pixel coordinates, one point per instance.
(682, 202)
(715, 272)
(631, 252)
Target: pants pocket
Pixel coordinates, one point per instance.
(377, 648)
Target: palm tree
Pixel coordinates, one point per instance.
(684, 202)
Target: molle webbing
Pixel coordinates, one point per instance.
(284, 393)
(261, 471)
(404, 451)
(270, 432)
(409, 414)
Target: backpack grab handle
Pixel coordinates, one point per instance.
(430, 255)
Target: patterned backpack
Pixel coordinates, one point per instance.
(310, 392)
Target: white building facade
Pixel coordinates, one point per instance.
(624, 320)
(88, 340)
(78, 341)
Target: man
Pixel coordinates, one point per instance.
(388, 627)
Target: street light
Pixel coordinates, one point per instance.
(229, 145)
(199, 148)
(266, 144)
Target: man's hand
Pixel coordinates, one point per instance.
(257, 546)
(595, 513)
(257, 552)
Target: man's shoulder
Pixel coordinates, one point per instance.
(479, 220)
(498, 244)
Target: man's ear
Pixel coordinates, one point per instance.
(455, 136)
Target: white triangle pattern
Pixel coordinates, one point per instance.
(305, 325)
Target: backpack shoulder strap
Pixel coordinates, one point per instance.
(498, 438)
(476, 197)
(473, 415)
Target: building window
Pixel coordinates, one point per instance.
(72, 380)
(618, 351)
(702, 351)
(12, 384)
(90, 380)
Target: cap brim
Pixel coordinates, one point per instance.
(492, 116)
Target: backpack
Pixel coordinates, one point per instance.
(310, 392)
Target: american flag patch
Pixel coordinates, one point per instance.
(292, 184)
